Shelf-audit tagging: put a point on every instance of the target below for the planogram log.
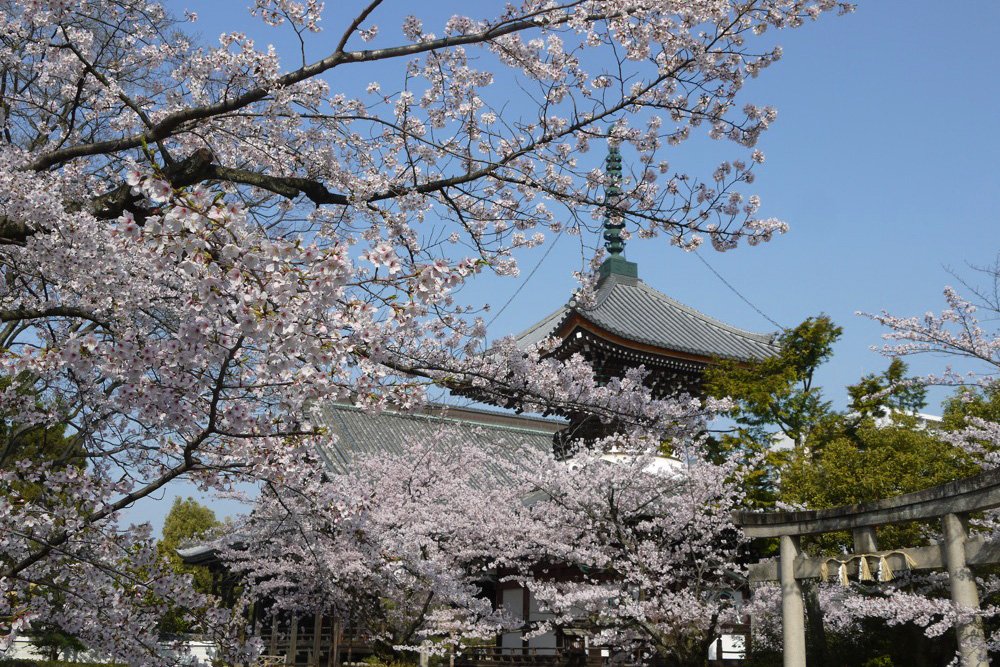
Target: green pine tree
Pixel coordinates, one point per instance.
(773, 397)
(188, 519)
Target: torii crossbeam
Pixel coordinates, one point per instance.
(951, 503)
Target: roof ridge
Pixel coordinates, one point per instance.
(643, 314)
(606, 286)
(444, 407)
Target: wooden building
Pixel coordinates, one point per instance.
(328, 642)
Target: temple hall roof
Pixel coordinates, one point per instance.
(629, 309)
(361, 433)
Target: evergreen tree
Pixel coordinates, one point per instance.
(880, 394)
(858, 460)
(38, 445)
(188, 519)
(779, 391)
(773, 397)
(978, 402)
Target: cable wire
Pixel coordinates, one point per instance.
(526, 279)
(736, 291)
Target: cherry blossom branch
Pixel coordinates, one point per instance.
(179, 120)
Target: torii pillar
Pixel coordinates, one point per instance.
(793, 631)
(971, 639)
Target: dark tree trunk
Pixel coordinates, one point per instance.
(816, 646)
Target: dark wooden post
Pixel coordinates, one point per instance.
(317, 636)
(293, 642)
(334, 660)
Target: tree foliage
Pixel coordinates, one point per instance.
(976, 402)
(187, 520)
(862, 461)
(37, 443)
(773, 397)
(877, 449)
(886, 393)
(42, 446)
(778, 392)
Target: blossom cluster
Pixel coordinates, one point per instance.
(402, 542)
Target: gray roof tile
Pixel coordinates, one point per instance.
(632, 309)
(361, 433)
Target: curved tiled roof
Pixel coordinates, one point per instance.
(629, 308)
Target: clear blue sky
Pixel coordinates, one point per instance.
(883, 161)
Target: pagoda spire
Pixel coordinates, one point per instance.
(614, 222)
(614, 219)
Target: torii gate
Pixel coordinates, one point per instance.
(951, 502)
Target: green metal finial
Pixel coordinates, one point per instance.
(614, 222)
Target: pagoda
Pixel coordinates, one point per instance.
(630, 324)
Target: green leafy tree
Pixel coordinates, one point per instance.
(967, 405)
(53, 641)
(779, 391)
(881, 394)
(773, 397)
(875, 449)
(38, 443)
(859, 456)
(980, 402)
(863, 460)
(188, 519)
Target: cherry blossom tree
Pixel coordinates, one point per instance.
(637, 550)
(199, 242)
(653, 549)
(398, 546)
(966, 335)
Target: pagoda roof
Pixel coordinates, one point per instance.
(629, 312)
